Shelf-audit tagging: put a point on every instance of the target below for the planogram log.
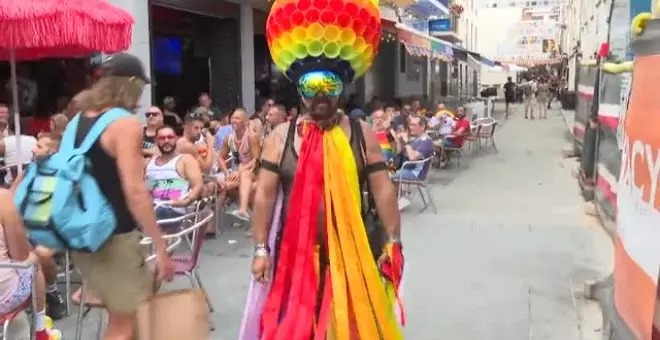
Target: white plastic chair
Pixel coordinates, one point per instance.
(421, 182)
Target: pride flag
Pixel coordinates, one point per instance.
(385, 145)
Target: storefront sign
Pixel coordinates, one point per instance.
(440, 25)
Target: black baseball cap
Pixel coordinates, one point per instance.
(124, 65)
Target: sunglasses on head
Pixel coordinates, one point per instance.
(166, 138)
(152, 114)
(323, 83)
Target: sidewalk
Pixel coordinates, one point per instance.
(508, 253)
(504, 258)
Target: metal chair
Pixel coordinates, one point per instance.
(486, 133)
(187, 263)
(420, 182)
(30, 263)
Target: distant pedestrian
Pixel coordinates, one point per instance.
(509, 95)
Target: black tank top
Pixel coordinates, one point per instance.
(287, 166)
(289, 163)
(104, 170)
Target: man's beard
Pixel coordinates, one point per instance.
(164, 152)
(322, 108)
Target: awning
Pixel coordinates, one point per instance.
(418, 43)
(487, 61)
(500, 67)
(473, 62)
(388, 18)
(398, 3)
(428, 8)
(530, 61)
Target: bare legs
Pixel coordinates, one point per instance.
(543, 109)
(244, 191)
(120, 326)
(529, 107)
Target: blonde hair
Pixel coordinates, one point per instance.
(113, 91)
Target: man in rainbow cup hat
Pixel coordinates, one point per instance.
(327, 261)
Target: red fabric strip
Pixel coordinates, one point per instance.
(324, 316)
(289, 310)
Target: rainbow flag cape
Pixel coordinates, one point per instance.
(354, 302)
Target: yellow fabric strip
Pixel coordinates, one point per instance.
(361, 282)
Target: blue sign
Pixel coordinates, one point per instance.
(440, 25)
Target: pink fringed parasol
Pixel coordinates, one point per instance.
(35, 29)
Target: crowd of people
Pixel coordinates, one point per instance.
(535, 91)
(176, 160)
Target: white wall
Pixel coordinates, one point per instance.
(141, 42)
(495, 78)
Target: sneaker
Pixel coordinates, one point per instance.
(55, 305)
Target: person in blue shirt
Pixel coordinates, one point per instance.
(415, 145)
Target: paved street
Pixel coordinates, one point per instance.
(499, 261)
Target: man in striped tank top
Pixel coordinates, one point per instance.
(172, 177)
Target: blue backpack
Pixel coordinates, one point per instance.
(61, 203)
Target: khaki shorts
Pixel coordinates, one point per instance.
(117, 273)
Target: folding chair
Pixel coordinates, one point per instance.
(420, 182)
(486, 133)
(30, 263)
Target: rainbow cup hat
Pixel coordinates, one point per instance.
(316, 42)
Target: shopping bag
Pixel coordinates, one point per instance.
(175, 315)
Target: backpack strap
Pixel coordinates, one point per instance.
(69, 134)
(97, 129)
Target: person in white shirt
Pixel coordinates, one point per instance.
(12, 155)
(529, 97)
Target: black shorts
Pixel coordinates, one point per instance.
(509, 99)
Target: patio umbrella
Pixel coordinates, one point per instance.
(36, 29)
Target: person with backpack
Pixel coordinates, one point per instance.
(529, 97)
(91, 198)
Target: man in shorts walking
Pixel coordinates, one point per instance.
(117, 273)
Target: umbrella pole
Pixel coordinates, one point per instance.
(17, 117)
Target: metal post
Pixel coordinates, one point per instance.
(14, 97)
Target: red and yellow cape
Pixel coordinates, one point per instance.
(356, 302)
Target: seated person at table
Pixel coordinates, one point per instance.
(415, 146)
(172, 177)
(16, 284)
(443, 111)
(47, 144)
(245, 147)
(197, 142)
(461, 127)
